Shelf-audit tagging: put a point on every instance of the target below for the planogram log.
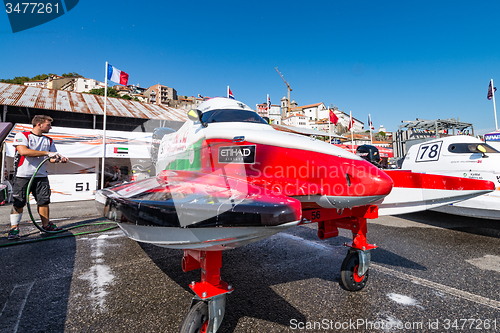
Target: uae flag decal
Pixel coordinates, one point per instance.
(118, 150)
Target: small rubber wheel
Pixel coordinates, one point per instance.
(196, 320)
(349, 273)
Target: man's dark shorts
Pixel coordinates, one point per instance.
(40, 188)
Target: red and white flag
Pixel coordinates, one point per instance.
(229, 93)
(117, 75)
(351, 121)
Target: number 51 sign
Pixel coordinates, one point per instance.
(429, 152)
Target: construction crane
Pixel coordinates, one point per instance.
(288, 90)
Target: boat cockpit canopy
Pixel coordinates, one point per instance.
(468, 148)
(229, 116)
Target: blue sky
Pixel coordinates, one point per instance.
(395, 60)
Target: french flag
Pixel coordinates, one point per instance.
(117, 75)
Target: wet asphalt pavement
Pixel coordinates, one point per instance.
(432, 272)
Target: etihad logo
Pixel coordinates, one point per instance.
(26, 15)
(237, 154)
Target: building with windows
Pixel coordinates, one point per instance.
(313, 112)
(261, 109)
(274, 114)
(161, 95)
(82, 84)
(38, 83)
(296, 120)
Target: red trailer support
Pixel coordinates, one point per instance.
(210, 263)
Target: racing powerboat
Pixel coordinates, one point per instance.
(460, 156)
(227, 178)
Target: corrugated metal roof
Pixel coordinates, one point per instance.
(59, 100)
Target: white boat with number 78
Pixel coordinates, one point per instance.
(460, 156)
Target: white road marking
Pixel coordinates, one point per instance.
(397, 222)
(433, 285)
(439, 287)
(487, 263)
(16, 302)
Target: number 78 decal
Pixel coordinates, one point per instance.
(429, 152)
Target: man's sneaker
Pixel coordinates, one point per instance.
(14, 233)
(51, 227)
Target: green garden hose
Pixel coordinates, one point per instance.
(115, 225)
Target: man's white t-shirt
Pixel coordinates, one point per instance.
(27, 165)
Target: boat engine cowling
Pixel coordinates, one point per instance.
(369, 153)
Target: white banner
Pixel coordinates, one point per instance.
(71, 187)
(87, 143)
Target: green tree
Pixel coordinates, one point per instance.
(100, 91)
(111, 93)
(71, 74)
(39, 77)
(380, 135)
(16, 80)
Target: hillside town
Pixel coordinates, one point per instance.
(312, 117)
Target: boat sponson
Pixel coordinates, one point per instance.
(160, 203)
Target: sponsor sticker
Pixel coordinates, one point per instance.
(237, 154)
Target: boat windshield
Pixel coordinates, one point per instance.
(230, 116)
(467, 148)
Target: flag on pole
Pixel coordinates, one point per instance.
(370, 125)
(491, 90)
(351, 122)
(229, 93)
(333, 117)
(268, 103)
(117, 75)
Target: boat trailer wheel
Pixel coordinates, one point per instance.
(196, 320)
(349, 272)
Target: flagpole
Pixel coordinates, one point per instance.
(330, 130)
(227, 92)
(370, 125)
(104, 123)
(351, 123)
(494, 106)
(268, 108)
(329, 127)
